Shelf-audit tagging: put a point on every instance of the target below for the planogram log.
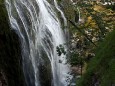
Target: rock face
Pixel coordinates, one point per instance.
(76, 70)
(3, 81)
(11, 73)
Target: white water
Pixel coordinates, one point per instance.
(39, 29)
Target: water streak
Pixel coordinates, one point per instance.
(40, 32)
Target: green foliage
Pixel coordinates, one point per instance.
(96, 20)
(75, 59)
(60, 50)
(59, 0)
(101, 68)
(112, 7)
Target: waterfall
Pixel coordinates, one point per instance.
(40, 32)
(79, 14)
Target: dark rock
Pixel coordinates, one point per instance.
(10, 53)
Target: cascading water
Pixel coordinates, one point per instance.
(40, 32)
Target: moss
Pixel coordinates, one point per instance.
(10, 53)
(101, 69)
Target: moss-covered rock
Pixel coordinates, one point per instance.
(10, 52)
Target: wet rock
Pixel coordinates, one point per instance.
(11, 73)
(3, 80)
